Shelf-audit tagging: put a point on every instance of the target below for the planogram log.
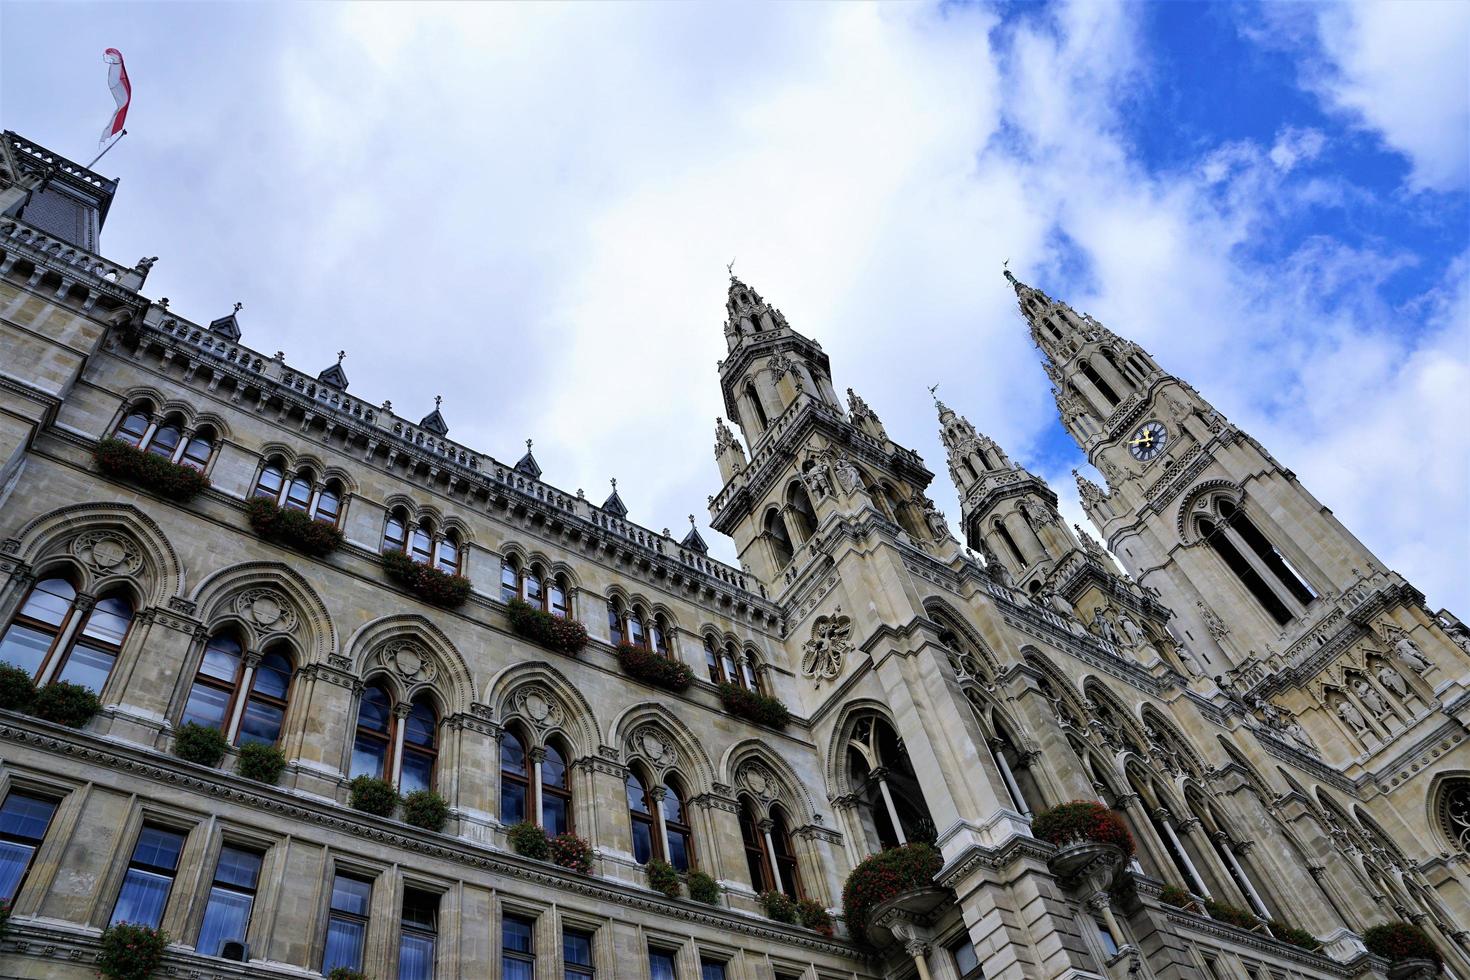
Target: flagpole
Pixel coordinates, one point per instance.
(109, 146)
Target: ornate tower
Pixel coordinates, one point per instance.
(1270, 589)
(811, 458)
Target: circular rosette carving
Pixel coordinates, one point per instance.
(267, 610)
(653, 746)
(759, 780)
(538, 706)
(409, 661)
(107, 553)
(822, 655)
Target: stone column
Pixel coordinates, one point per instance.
(611, 830)
(717, 845)
(1162, 816)
(81, 608)
(247, 677)
(319, 742)
(150, 669)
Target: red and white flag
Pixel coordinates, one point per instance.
(122, 92)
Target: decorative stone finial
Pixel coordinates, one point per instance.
(438, 400)
(340, 355)
(238, 307)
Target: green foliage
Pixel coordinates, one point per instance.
(655, 668)
(425, 808)
(66, 704)
(814, 915)
(1230, 914)
(261, 762)
(759, 708)
(17, 690)
(199, 744)
(428, 583)
(1397, 941)
(1288, 933)
(557, 633)
(4, 919)
(662, 877)
(293, 528)
(375, 796)
(117, 459)
(571, 851)
(881, 877)
(342, 973)
(1175, 896)
(130, 951)
(779, 906)
(1082, 821)
(704, 888)
(529, 840)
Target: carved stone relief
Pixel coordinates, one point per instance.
(830, 643)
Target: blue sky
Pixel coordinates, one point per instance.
(528, 209)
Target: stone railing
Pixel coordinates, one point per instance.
(212, 344)
(309, 387)
(62, 164)
(58, 254)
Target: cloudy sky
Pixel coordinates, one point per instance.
(529, 209)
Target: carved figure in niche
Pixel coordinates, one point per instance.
(1102, 626)
(847, 475)
(1299, 735)
(817, 478)
(1135, 634)
(1273, 716)
(1393, 681)
(1405, 649)
(1370, 698)
(1213, 623)
(1350, 714)
(934, 517)
(822, 655)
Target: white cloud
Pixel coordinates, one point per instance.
(1403, 69)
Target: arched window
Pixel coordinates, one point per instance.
(47, 639)
(891, 802)
(515, 781)
(970, 470)
(556, 792)
(781, 549)
(420, 746)
(729, 666)
(265, 706)
(395, 531)
(510, 579)
(1010, 543)
(215, 682)
(271, 481)
(374, 734)
(556, 596)
(1103, 388)
(1267, 553)
(802, 513)
(198, 449)
(166, 439)
(133, 429)
(753, 841)
(298, 493)
(615, 621)
(1236, 562)
(421, 543)
(447, 559)
(677, 828)
(658, 634)
(758, 412)
(640, 813)
(329, 502)
(785, 857)
(712, 660)
(749, 678)
(532, 583)
(634, 625)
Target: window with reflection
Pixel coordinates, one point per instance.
(214, 684)
(395, 532)
(785, 856)
(677, 828)
(265, 706)
(270, 482)
(24, 819)
(755, 849)
(374, 728)
(615, 621)
(150, 877)
(517, 949)
(658, 634)
(510, 580)
(712, 660)
(347, 923)
(556, 596)
(421, 544)
(420, 746)
(165, 440)
(661, 964)
(447, 554)
(634, 625)
(51, 638)
(711, 969)
(329, 503)
(515, 782)
(576, 954)
(197, 449)
(418, 934)
(133, 429)
(298, 494)
(556, 792)
(640, 813)
(231, 899)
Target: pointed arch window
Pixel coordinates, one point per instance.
(165, 439)
(615, 621)
(1273, 559)
(271, 481)
(515, 781)
(298, 493)
(371, 746)
(1221, 544)
(133, 429)
(677, 830)
(420, 746)
(782, 551)
(1005, 536)
(758, 412)
(446, 557)
(784, 856)
(395, 531)
(197, 449)
(802, 513)
(1103, 388)
(640, 815)
(55, 637)
(752, 840)
(265, 706)
(510, 579)
(215, 682)
(555, 792)
(222, 674)
(556, 596)
(421, 543)
(328, 502)
(712, 660)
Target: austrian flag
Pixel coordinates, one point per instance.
(122, 92)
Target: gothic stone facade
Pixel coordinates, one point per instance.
(1278, 718)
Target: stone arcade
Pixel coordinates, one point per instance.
(1276, 716)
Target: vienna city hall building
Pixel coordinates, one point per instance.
(224, 548)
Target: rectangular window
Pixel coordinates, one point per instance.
(150, 877)
(576, 954)
(23, 822)
(1105, 935)
(347, 923)
(517, 949)
(231, 898)
(966, 963)
(711, 969)
(661, 964)
(418, 936)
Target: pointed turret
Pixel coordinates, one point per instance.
(333, 376)
(614, 504)
(728, 452)
(434, 421)
(693, 541)
(527, 464)
(864, 417)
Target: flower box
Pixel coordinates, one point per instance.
(1232, 915)
(759, 708)
(654, 668)
(293, 528)
(429, 584)
(779, 906)
(370, 795)
(425, 808)
(662, 877)
(571, 852)
(540, 627)
(1402, 944)
(884, 876)
(529, 840)
(130, 951)
(120, 461)
(1082, 821)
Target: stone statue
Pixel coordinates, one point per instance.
(145, 264)
(1213, 623)
(934, 517)
(1406, 650)
(1393, 681)
(1349, 713)
(1102, 627)
(1299, 735)
(847, 474)
(817, 478)
(1136, 636)
(1371, 698)
(1273, 716)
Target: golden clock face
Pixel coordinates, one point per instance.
(1148, 441)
